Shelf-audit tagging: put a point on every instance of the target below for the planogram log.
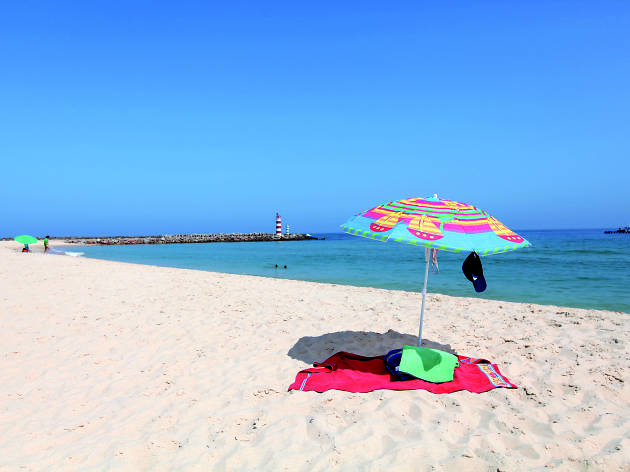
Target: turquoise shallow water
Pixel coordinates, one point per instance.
(574, 268)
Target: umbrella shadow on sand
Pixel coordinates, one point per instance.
(311, 349)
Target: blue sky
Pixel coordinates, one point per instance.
(169, 117)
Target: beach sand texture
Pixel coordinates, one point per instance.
(114, 366)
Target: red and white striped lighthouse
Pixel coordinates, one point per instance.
(278, 225)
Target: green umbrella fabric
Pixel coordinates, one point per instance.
(25, 239)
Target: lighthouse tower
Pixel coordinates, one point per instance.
(278, 225)
(288, 229)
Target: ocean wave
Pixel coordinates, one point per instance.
(66, 253)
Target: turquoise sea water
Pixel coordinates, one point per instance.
(574, 268)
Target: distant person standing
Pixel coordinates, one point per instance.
(46, 244)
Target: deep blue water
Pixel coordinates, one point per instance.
(574, 268)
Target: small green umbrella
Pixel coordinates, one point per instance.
(25, 239)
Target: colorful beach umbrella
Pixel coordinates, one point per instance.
(435, 223)
(25, 239)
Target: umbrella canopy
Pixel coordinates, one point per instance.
(435, 223)
(432, 222)
(25, 239)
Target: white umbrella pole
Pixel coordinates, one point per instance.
(424, 292)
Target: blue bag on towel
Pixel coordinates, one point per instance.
(392, 361)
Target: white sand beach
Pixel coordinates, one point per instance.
(115, 366)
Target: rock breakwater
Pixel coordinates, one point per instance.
(188, 238)
(625, 230)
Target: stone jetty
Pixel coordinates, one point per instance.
(188, 238)
(625, 230)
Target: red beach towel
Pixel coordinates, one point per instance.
(354, 373)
